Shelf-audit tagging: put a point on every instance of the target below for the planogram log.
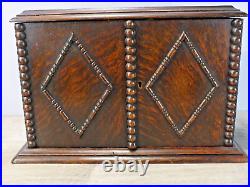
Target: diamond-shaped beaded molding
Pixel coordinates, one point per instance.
(163, 65)
(72, 40)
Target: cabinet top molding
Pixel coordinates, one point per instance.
(129, 13)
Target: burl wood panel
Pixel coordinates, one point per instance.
(183, 85)
(75, 85)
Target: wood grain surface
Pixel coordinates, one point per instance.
(220, 173)
(75, 86)
(148, 83)
(129, 13)
(183, 84)
(181, 87)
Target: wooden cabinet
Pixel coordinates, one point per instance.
(143, 83)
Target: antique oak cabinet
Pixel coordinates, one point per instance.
(139, 83)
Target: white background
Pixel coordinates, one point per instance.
(12, 103)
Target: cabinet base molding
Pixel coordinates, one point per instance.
(98, 155)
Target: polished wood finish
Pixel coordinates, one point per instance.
(131, 81)
(233, 77)
(129, 13)
(76, 86)
(183, 85)
(131, 9)
(155, 156)
(150, 88)
(25, 81)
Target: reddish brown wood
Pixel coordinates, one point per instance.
(25, 80)
(131, 9)
(233, 76)
(93, 65)
(130, 13)
(162, 155)
(75, 85)
(123, 151)
(183, 84)
(131, 75)
(165, 88)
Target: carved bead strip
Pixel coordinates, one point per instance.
(25, 83)
(233, 75)
(197, 111)
(130, 59)
(92, 63)
(60, 58)
(162, 108)
(95, 110)
(78, 130)
(102, 77)
(49, 77)
(200, 61)
(183, 38)
(55, 104)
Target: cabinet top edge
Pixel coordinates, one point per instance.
(129, 13)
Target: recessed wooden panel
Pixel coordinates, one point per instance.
(183, 85)
(77, 84)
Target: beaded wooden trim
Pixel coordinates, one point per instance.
(130, 58)
(99, 73)
(183, 38)
(233, 76)
(25, 83)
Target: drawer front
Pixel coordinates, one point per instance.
(78, 83)
(182, 101)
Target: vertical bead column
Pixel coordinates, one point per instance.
(130, 58)
(233, 76)
(25, 83)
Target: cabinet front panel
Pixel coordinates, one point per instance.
(182, 69)
(78, 83)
